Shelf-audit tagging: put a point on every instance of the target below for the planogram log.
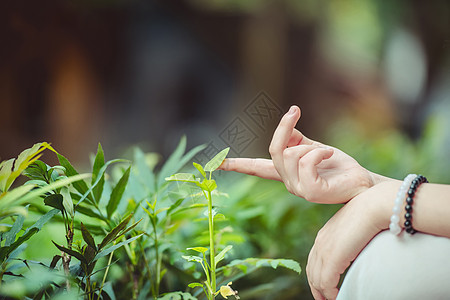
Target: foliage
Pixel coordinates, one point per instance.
(97, 254)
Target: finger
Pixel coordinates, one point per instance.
(308, 175)
(260, 167)
(316, 294)
(291, 157)
(281, 138)
(297, 138)
(329, 281)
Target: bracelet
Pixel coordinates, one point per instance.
(394, 226)
(410, 200)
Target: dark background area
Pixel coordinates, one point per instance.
(75, 73)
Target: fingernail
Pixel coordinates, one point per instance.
(291, 110)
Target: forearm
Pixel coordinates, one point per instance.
(431, 208)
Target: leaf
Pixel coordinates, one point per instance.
(194, 285)
(36, 170)
(55, 201)
(115, 232)
(198, 249)
(144, 170)
(112, 248)
(67, 201)
(172, 163)
(217, 160)
(200, 169)
(90, 213)
(97, 181)
(24, 194)
(5, 251)
(80, 186)
(73, 253)
(193, 258)
(220, 256)
(5, 173)
(183, 177)
(176, 161)
(208, 185)
(99, 162)
(10, 236)
(87, 237)
(177, 296)
(117, 193)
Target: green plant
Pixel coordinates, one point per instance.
(207, 186)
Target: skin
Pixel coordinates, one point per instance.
(322, 174)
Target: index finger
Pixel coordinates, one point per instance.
(282, 137)
(260, 167)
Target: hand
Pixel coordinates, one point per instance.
(343, 237)
(308, 168)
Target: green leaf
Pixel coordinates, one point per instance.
(220, 256)
(176, 161)
(99, 178)
(183, 177)
(99, 162)
(67, 201)
(90, 213)
(194, 285)
(87, 237)
(73, 253)
(5, 251)
(217, 160)
(10, 236)
(144, 170)
(200, 169)
(5, 173)
(115, 232)
(55, 201)
(80, 186)
(23, 194)
(36, 171)
(198, 249)
(193, 258)
(208, 185)
(117, 193)
(177, 296)
(113, 248)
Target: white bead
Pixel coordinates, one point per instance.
(394, 228)
(396, 210)
(395, 219)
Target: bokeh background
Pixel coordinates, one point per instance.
(76, 73)
(371, 77)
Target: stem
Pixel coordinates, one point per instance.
(212, 254)
(158, 260)
(106, 271)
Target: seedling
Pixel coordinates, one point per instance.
(207, 186)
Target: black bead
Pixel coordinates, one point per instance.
(411, 192)
(408, 216)
(408, 208)
(409, 200)
(410, 230)
(408, 224)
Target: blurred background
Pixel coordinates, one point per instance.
(76, 73)
(371, 77)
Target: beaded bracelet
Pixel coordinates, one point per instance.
(410, 200)
(394, 226)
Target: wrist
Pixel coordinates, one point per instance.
(380, 200)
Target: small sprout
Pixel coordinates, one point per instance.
(226, 290)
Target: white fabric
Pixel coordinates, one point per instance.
(400, 267)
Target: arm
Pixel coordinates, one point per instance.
(343, 237)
